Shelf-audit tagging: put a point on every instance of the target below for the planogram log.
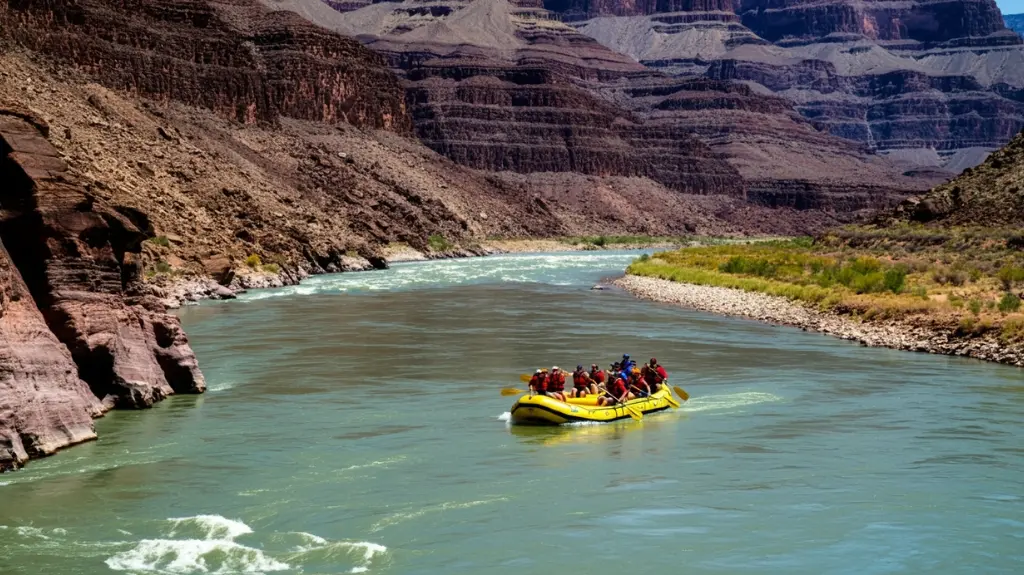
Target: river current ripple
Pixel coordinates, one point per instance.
(353, 424)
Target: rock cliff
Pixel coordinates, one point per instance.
(499, 86)
(933, 84)
(71, 261)
(989, 195)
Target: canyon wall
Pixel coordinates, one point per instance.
(933, 84)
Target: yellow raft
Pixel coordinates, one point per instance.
(531, 409)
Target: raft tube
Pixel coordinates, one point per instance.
(543, 410)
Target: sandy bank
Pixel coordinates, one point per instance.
(772, 309)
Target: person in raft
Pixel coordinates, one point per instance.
(637, 385)
(654, 374)
(539, 382)
(556, 384)
(582, 384)
(597, 376)
(627, 364)
(618, 392)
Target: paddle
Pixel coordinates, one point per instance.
(513, 391)
(637, 415)
(681, 393)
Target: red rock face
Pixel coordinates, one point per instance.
(236, 58)
(69, 268)
(923, 21)
(43, 404)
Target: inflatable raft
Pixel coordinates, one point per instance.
(531, 409)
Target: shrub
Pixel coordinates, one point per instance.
(600, 241)
(162, 267)
(945, 276)
(967, 325)
(254, 261)
(438, 243)
(869, 283)
(643, 257)
(865, 265)
(920, 292)
(1009, 303)
(161, 241)
(1009, 275)
(975, 306)
(272, 268)
(895, 278)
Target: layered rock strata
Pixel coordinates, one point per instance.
(499, 87)
(75, 259)
(935, 84)
(234, 57)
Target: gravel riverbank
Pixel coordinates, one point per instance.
(762, 307)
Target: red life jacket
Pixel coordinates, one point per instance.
(556, 381)
(580, 379)
(618, 388)
(539, 383)
(597, 376)
(640, 385)
(651, 376)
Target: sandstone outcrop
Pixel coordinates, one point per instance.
(43, 404)
(71, 263)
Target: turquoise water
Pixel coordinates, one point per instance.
(353, 424)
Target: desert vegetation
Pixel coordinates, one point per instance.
(971, 278)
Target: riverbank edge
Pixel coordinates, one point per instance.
(894, 334)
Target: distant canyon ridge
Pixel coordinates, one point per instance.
(829, 104)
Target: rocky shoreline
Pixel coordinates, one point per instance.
(900, 335)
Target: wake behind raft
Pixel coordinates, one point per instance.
(539, 409)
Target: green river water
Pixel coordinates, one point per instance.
(353, 424)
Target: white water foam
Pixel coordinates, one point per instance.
(728, 401)
(380, 463)
(214, 552)
(507, 416)
(206, 544)
(518, 268)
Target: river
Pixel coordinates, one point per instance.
(353, 424)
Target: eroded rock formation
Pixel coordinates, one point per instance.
(71, 266)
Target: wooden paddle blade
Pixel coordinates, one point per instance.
(681, 393)
(513, 391)
(525, 377)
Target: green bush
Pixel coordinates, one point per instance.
(920, 292)
(438, 243)
(1009, 303)
(254, 261)
(749, 266)
(161, 241)
(162, 267)
(895, 278)
(644, 257)
(868, 283)
(975, 306)
(272, 268)
(600, 241)
(1010, 275)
